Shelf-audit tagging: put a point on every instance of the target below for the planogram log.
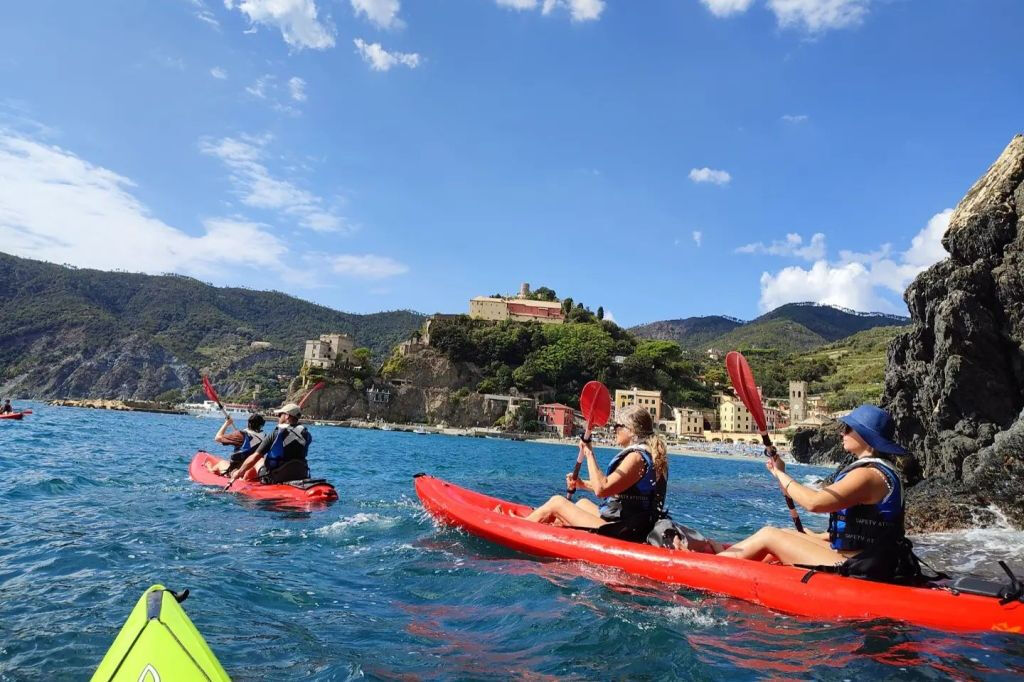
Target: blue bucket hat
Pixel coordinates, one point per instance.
(876, 427)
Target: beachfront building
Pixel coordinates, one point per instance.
(556, 417)
(733, 416)
(327, 351)
(688, 422)
(775, 418)
(511, 402)
(636, 396)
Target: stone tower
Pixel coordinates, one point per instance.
(797, 401)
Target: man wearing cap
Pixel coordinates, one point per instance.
(282, 456)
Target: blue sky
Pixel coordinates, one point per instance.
(663, 158)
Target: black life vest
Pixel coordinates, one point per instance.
(869, 525)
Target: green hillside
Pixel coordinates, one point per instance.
(692, 333)
(88, 333)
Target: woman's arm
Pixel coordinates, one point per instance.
(224, 438)
(860, 486)
(625, 475)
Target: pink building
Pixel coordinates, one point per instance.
(557, 417)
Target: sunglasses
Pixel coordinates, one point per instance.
(617, 426)
(844, 429)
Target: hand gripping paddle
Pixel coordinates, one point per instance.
(596, 406)
(746, 388)
(211, 393)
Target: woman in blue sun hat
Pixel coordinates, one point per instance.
(864, 504)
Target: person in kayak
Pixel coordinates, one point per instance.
(633, 486)
(245, 443)
(864, 502)
(6, 409)
(282, 455)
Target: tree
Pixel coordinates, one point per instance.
(362, 357)
(600, 312)
(544, 294)
(566, 305)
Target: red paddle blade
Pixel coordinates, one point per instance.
(746, 388)
(208, 390)
(595, 403)
(317, 387)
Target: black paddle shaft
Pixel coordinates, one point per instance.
(771, 451)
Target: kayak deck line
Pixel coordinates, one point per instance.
(782, 588)
(302, 494)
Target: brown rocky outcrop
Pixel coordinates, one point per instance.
(822, 446)
(955, 382)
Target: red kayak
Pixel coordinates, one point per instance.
(14, 415)
(783, 588)
(305, 493)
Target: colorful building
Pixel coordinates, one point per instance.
(636, 396)
(516, 309)
(556, 417)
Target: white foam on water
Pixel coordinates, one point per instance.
(357, 520)
(692, 616)
(973, 551)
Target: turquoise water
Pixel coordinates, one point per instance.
(95, 506)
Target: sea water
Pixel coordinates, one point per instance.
(95, 506)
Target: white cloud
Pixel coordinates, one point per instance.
(716, 177)
(297, 89)
(819, 15)
(367, 266)
(296, 19)
(795, 118)
(579, 10)
(380, 59)
(259, 88)
(724, 8)
(203, 13)
(813, 16)
(58, 207)
(218, 73)
(792, 245)
(698, 237)
(862, 281)
(258, 188)
(383, 13)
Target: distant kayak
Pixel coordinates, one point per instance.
(159, 643)
(15, 415)
(784, 588)
(304, 493)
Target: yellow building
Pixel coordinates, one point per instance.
(733, 416)
(516, 309)
(328, 350)
(635, 396)
(689, 422)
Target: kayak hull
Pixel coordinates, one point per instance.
(283, 494)
(783, 588)
(159, 642)
(14, 415)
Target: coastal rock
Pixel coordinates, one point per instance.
(955, 382)
(822, 446)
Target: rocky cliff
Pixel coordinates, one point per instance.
(955, 381)
(426, 388)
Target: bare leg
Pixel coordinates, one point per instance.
(562, 510)
(220, 468)
(789, 548)
(588, 506)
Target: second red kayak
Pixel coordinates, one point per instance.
(784, 588)
(295, 493)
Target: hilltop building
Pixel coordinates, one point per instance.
(327, 351)
(635, 396)
(518, 309)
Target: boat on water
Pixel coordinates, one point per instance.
(420, 432)
(208, 408)
(965, 604)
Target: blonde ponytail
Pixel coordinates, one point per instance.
(659, 453)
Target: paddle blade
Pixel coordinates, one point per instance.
(317, 387)
(746, 388)
(209, 391)
(595, 403)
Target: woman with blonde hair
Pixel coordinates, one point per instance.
(633, 486)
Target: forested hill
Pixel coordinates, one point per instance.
(792, 327)
(88, 333)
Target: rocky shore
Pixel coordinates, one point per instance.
(119, 405)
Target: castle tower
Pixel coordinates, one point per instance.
(524, 290)
(797, 401)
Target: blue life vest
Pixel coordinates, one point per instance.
(867, 525)
(290, 443)
(646, 497)
(250, 440)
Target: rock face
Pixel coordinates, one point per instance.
(822, 446)
(955, 381)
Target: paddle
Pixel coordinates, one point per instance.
(746, 388)
(211, 393)
(596, 406)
